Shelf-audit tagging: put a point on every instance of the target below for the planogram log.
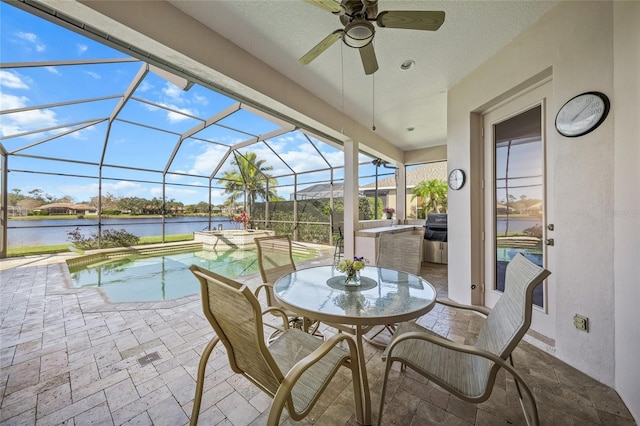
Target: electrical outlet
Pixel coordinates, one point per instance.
(581, 322)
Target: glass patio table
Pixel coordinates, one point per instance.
(384, 296)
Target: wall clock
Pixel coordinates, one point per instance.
(456, 179)
(582, 114)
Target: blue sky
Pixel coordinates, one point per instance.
(165, 110)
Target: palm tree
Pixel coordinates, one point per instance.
(434, 192)
(249, 178)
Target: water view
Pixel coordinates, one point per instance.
(26, 233)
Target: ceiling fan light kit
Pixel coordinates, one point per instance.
(357, 16)
(358, 33)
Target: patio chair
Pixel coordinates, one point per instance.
(401, 251)
(294, 369)
(275, 259)
(337, 224)
(469, 371)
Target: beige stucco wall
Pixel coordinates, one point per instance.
(626, 214)
(574, 44)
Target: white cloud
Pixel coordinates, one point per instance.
(201, 100)
(52, 70)
(28, 36)
(82, 48)
(20, 122)
(208, 160)
(175, 117)
(120, 189)
(12, 80)
(33, 39)
(82, 134)
(173, 91)
(171, 177)
(172, 192)
(93, 74)
(149, 107)
(145, 86)
(12, 102)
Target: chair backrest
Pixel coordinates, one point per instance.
(510, 318)
(235, 315)
(337, 222)
(275, 257)
(401, 251)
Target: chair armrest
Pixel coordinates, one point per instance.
(480, 309)
(268, 291)
(278, 313)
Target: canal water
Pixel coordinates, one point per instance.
(28, 233)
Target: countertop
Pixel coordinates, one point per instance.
(375, 232)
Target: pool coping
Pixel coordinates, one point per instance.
(95, 300)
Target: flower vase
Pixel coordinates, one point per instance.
(352, 279)
(389, 215)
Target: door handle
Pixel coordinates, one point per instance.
(550, 242)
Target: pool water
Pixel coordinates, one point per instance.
(162, 277)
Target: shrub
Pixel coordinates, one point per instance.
(534, 231)
(110, 238)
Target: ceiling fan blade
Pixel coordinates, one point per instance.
(411, 19)
(369, 61)
(321, 47)
(328, 5)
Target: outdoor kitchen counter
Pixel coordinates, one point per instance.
(367, 239)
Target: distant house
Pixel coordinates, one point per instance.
(534, 209)
(503, 209)
(415, 175)
(386, 187)
(320, 190)
(67, 208)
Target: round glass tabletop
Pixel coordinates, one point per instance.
(395, 297)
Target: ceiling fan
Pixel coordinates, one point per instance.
(358, 32)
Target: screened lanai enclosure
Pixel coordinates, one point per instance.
(93, 139)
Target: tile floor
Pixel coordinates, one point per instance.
(69, 357)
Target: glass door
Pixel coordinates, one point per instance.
(517, 197)
(519, 194)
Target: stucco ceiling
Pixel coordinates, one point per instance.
(279, 32)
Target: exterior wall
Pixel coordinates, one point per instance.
(626, 214)
(574, 44)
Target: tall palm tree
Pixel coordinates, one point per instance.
(434, 192)
(233, 186)
(249, 178)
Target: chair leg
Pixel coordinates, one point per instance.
(195, 412)
(357, 389)
(337, 253)
(387, 368)
(532, 418)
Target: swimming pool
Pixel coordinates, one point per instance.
(143, 278)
